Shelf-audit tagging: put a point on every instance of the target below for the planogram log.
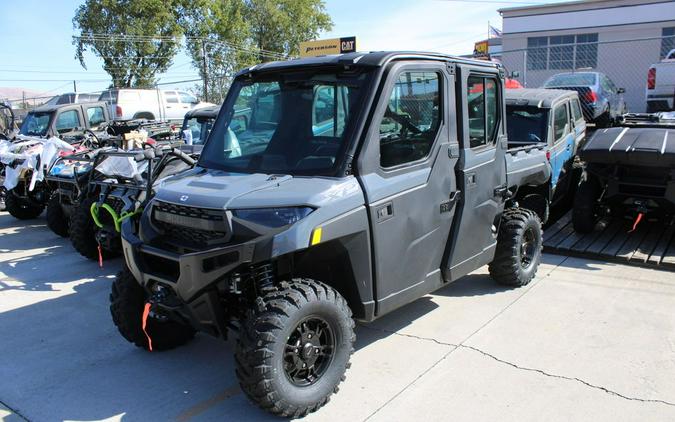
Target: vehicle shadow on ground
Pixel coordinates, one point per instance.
(22, 235)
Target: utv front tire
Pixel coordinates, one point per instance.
(127, 300)
(57, 220)
(83, 232)
(20, 208)
(585, 210)
(519, 246)
(294, 347)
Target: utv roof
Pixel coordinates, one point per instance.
(365, 59)
(210, 111)
(48, 108)
(538, 97)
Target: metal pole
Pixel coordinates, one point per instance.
(205, 72)
(525, 68)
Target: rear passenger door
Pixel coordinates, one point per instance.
(579, 124)
(68, 120)
(172, 105)
(481, 175)
(563, 143)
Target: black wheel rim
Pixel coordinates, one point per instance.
(309, 351)
(528, 248)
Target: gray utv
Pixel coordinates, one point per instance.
(330, 189)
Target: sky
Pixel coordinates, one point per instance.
(38, 54)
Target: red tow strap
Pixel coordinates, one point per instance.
(637, 221)
(100, 256)
(146, 312)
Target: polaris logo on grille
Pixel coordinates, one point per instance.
(184, 198)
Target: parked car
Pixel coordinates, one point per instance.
(661, 85)
(151, 104)
(601, 101)
(297, 233)
(551, 118)
(55, 120)
(71, 98)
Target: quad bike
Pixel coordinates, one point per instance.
(69, 176)
(118, 190)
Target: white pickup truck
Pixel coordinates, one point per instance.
(151, 104)
(661, 85)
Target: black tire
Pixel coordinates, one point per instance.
(22, 209)
(538, 204)
(263, 347)
(519, 246)
(3, 198)
(127, 300)
(585, 209)
(57, 220)
(83, 232)
(604, 120)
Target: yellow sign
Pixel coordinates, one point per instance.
(326, 47)
(480, 49)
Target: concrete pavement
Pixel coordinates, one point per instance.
(585, 341)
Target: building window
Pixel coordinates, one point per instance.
(562, 52)
(668, 41)
(537, 53)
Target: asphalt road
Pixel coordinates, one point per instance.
(585, 341)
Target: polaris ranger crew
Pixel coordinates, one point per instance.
(354, 185)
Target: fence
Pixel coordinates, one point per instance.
(625, 62)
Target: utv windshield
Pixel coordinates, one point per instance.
(35, 124)
(526, 125)
(293, 123)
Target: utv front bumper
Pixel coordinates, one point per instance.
(191, 278)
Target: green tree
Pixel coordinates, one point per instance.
(136, 39)
(232, 34)
(280, 25)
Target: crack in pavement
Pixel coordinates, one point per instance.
(513, 365)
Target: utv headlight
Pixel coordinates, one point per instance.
(273, 217)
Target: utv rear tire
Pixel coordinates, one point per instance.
(57, 220)
(519, 246)
(127, 300)
(20, 208)
(585, 209)
(276, 340)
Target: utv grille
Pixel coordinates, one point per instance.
(191, 225)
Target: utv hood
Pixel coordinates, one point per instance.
(205, 188)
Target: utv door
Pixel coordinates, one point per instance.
(579, 124)
(407, 171)
(481, 173)
(562, 151)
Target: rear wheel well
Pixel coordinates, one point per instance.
(535, 198)
(144, 115)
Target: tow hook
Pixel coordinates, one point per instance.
(641, 210)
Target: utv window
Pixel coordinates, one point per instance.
(483, 110)
(67, 121)
(560, 126)
(411, 120)
(526, 125)
(95, 116)
(576, 109)
(292, 122)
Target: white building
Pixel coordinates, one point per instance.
(620, 38)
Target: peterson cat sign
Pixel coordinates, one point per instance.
(326, 47)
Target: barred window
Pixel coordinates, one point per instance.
(668, 41)
(562, 52)
(537, 53)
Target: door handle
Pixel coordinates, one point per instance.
(450, 203)
(385, 212)
(501, 192)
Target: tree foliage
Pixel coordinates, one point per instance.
(136, 39)
(240, 33)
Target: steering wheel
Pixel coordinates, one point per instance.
(92, 140)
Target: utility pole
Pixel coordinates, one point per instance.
(74, 86)
(205, 72)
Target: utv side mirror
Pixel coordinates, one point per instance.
(621, 90)
(515, 74)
